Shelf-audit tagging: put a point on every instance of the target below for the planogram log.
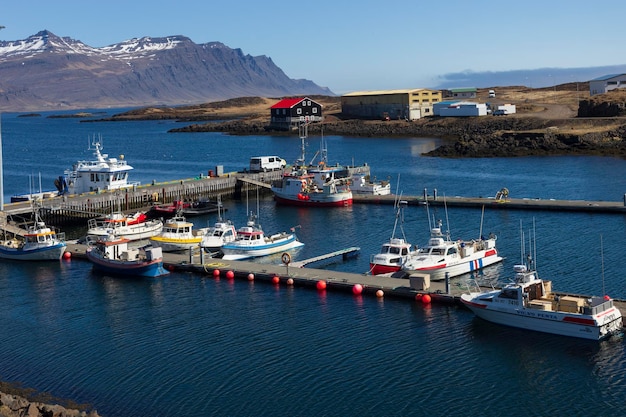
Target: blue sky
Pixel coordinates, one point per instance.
(360, 45)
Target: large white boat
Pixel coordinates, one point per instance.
(313, 186)
(112, 255)
(100, 174)
(131, 227)
(39, 243)
(178, 235)
(251, 242)
(529, 303)
(442, 256)
(396, 251)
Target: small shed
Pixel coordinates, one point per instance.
(607, 83)
(289, 113)
(466, 92)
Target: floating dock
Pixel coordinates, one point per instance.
(375, 285)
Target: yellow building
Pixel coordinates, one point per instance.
(409, 104)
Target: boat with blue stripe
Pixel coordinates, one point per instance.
(251, 242)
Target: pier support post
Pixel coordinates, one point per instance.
(447, 283)
(425, 195)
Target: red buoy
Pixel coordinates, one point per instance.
(67, 255)
(418, 296)
(276, 280)
(426, 299)
(321, 285)
(230, 275)
(606, 297)
(251, 277)
(357, 289)
(216, 273)
(290, 281)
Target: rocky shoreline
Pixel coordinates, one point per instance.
(469, 137)
(22, 402)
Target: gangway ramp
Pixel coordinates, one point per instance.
(343, 252)
(255, 182)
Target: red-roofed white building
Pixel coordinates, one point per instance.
(289, 113)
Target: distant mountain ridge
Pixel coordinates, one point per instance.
(48, 72)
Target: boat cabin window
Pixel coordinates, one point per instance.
(405, 251)
(394, 250)
(437, 251)
(508, 293)
(452, 251)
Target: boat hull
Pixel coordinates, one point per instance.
(175, 245)
(322, 200)
(49, 253)
(139, 268)
(134, 232)
(235, 251)
(380, 269)
(553, 322)
(461, 266)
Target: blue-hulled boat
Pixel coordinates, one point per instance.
(112, 255)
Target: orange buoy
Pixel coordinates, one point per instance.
(251, 277)
(357, 289)
(67, 255)
(321, 285)
(276, 280)
(230, 275)
(380, 293)
(216, 273)
(426, 299)
(290, 281)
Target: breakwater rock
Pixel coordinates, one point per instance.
(12, 405)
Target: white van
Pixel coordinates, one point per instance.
(266, 163)
(492, 93)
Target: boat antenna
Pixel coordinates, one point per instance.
(445, 205)
(602, 264)
(303, 131)
(482, 216)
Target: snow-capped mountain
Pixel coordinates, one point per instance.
(46, 71)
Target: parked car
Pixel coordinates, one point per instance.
(500, 113)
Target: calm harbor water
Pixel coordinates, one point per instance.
(189, 345)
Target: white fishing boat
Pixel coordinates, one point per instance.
(396, 251)
(178, 235)
(39, 243)
(529, 303)
(251, 242)
(112, 255)
(363, 184)
(313, 186)
(221, 233)
(442, 256)
(99, 174)
(132, 227)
